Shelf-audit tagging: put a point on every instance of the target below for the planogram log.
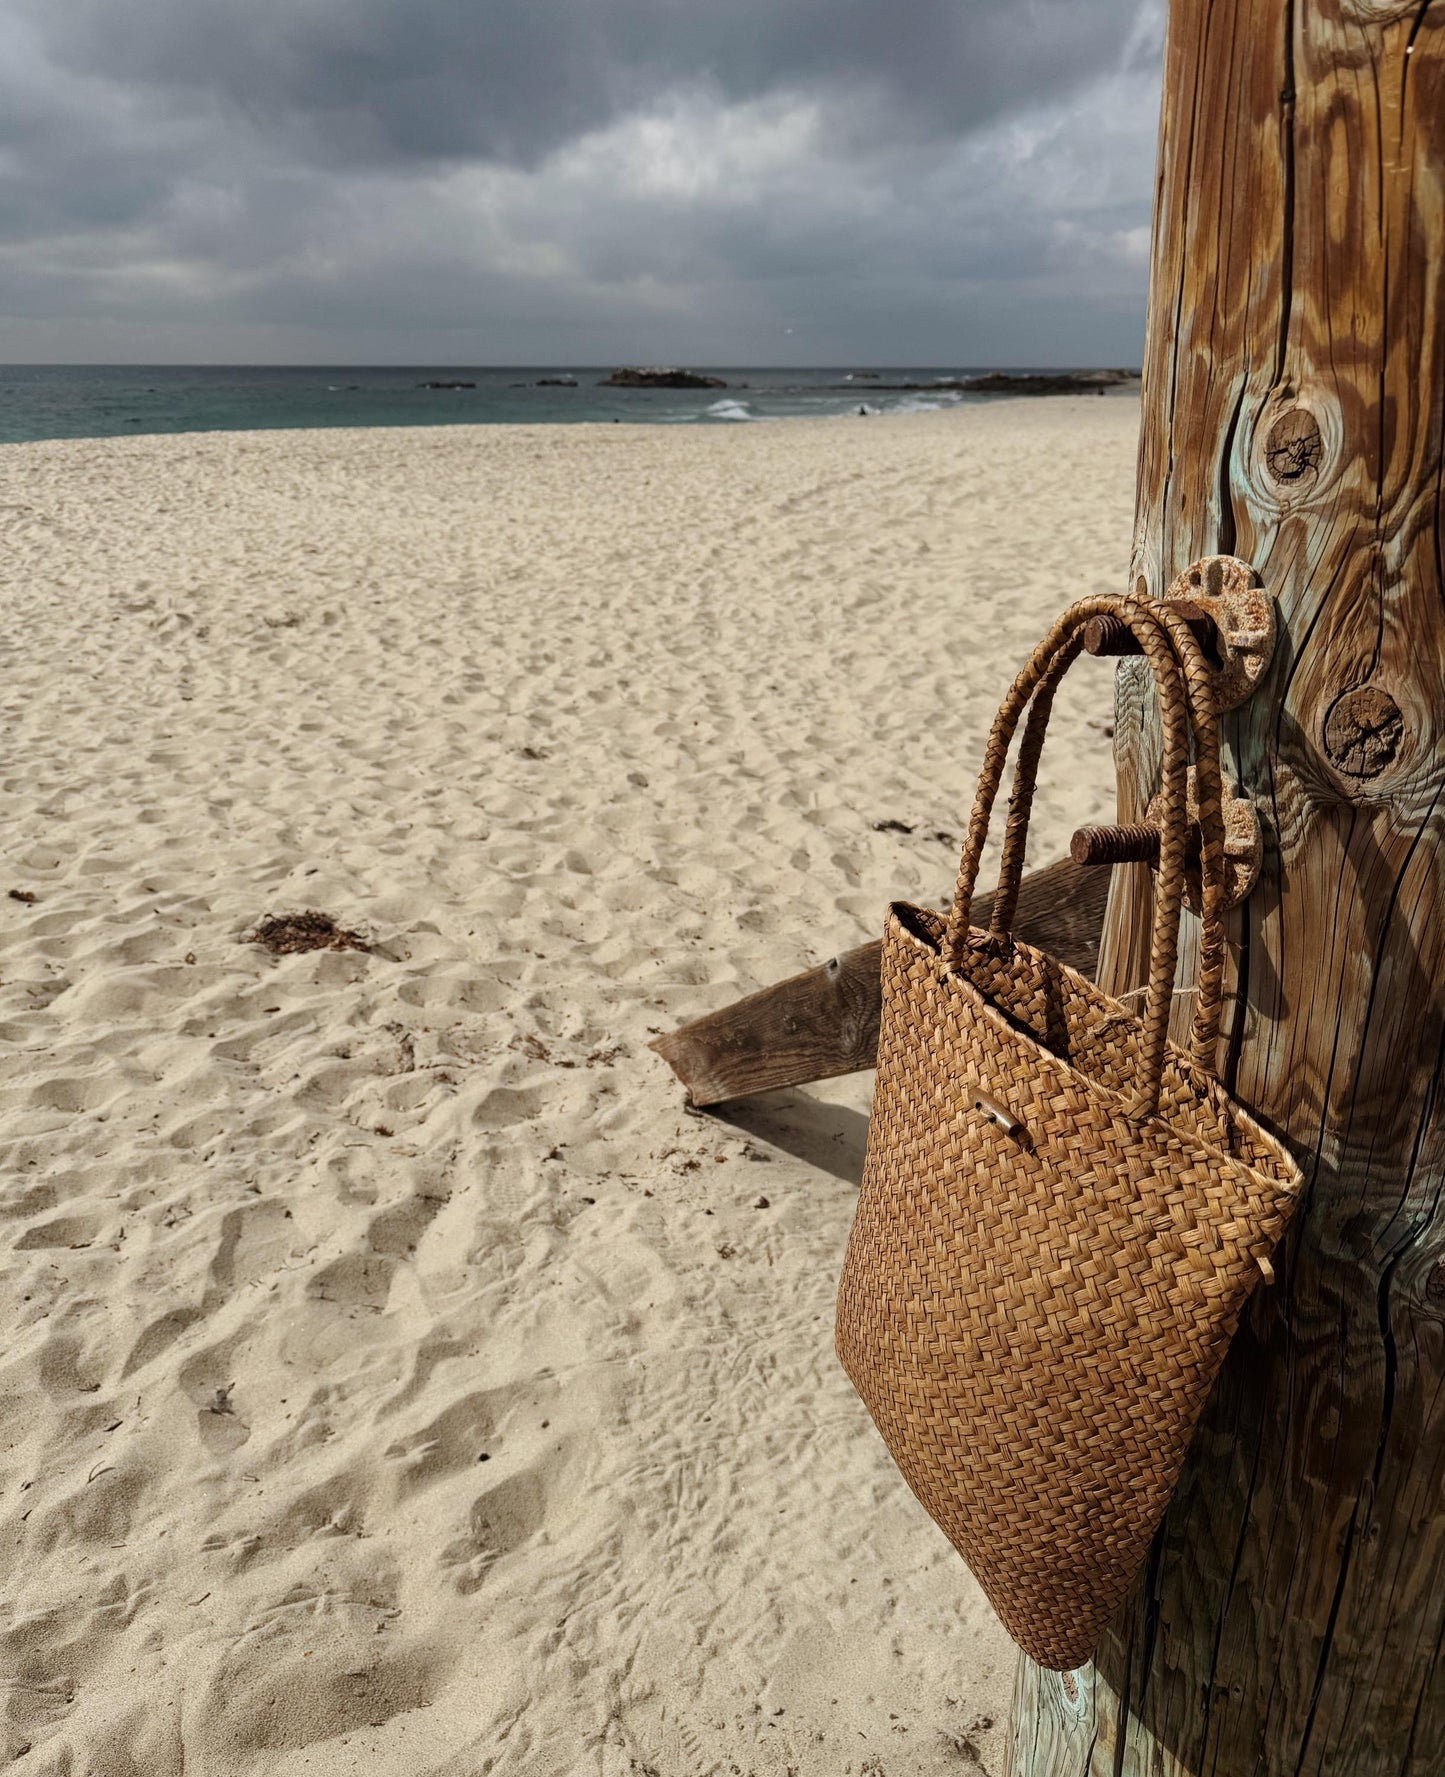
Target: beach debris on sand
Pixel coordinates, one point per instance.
(288, 934)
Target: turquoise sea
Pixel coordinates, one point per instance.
(111, 401)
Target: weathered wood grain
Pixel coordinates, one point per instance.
(825, 1022)
(812, 1026)
(1292, 1617)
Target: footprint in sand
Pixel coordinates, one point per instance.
(457, 1438)
(501, 1520)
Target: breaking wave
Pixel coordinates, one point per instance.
(729, 410)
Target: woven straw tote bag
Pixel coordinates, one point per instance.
(1062, 1215)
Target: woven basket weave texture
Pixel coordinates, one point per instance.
(1035, 1331)
(1062, 1216)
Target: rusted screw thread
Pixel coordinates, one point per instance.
(1137, 844)
(1113, 637)
(1109, 636)
(1115, 845)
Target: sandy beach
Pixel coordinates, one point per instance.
(400, 1379)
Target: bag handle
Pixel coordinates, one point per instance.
(1208, 798)
(1036, 685)
(1209, 811)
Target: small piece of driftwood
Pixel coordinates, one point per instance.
(824, 1023)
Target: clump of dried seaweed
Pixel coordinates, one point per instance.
(287, 934)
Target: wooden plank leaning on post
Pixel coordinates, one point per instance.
(825, 1022)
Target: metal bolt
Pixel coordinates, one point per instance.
(1136, 844)
(1115, 845)
(1112, 637)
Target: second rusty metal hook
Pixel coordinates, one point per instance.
(1138, 843)
(1233, 616)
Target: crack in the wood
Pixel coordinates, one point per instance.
(1392, 1363)
(1382, 402)
(1167, 480)
(1286, 124)
(1228, 527)
(1149, 1640)
(1143, 1634)
(1212, 1679)
(1234, 1043)
(1415, 26)
(1326, 1645)
(1378, 111)
(1426, 1693)
(1121, 1692)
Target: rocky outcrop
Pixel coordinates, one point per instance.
(556, 382)
(446, 385)
(660, 379)
(1002, 382)
(1064, 382)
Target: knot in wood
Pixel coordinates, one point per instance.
(1435, 1282)
(1294, 448)
(1363, 731)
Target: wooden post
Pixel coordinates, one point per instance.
(1292, 1615)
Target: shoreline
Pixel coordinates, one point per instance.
(965, 405)
(67, 403)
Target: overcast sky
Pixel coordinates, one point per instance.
(576, 181)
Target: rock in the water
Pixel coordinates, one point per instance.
(446, 385)
(660, 379)
(1002, 382)
(1063, 382)
(556, 382)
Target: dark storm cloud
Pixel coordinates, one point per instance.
(512, 79)
(542, 180)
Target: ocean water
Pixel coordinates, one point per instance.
(112, 401)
